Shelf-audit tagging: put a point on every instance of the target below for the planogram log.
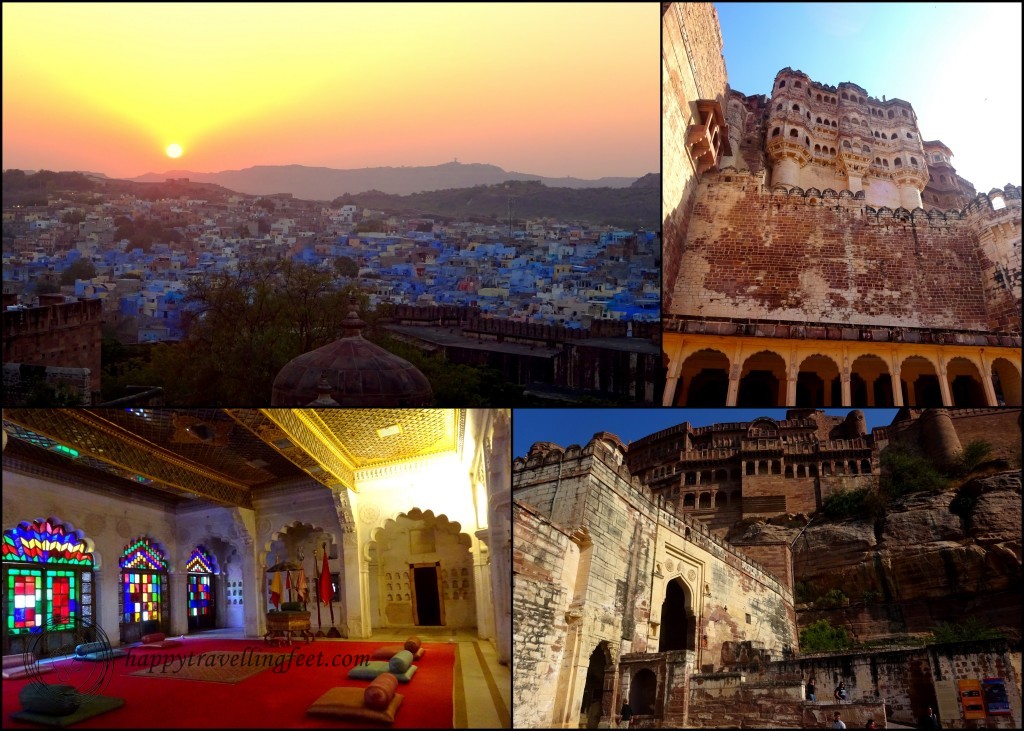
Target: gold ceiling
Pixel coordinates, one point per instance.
(221, 454)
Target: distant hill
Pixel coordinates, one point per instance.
(22, 188)
(320, 183)
(636, 206)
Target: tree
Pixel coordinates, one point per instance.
(74, 217)
(79, 269)
(346, 267)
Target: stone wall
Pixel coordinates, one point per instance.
(692, 68)
(544, 565)
(904, 679)
(750, 253)
(999, 427)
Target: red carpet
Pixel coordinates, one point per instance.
(267, 700)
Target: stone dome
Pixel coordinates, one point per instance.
(351, 371)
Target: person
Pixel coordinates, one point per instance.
(871, 723)
(929, 721)
(626, 712)
(837, 722)
(840, 694)
(810, 690)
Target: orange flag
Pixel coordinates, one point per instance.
(275, 590)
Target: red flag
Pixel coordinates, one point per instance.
(275, 590)
(325, 586)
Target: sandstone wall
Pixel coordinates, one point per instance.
(999, 427)
(692, 68)
(753, 254)
(544, 565)
(904, 679)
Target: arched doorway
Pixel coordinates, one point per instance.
(703, 380)
(677, 620)
(870, 382)
(593, 691)
(202, 575)
(965, 387)
(143, 595)
(1006, 382)
(814, 382)
(643, 693)
(421, 572)
(762, 381)
(48, 583)
(920, 383)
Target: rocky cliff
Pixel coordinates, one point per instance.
(932, 558)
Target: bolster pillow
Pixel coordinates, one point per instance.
(90, 647)
(400, 662)
(379, 693)
(49, 700)
(413, 644)
(18, 661)
(154, 637)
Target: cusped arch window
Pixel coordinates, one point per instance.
(913, 161)
(794, 133)
(782, 83)
(846, 96)
(893, 136)
(796, 107)
(776, 132)
(910, 136)
(898, 162)
(846, 144)
(797, 84)
(778, 107)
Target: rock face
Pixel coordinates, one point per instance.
(924, 563)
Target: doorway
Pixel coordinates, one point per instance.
(427, 607)
(201, 609)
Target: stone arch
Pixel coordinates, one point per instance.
(279, 536)
(643, 690)
(704, 501)
(1006, 381)
(592, 704)
(721, 499)
(678, 617)
(703, 379)
(965, 384)
(870, 382)
(689, 500)
(920, 382)
(817, 382)
(438, 540)
(762, 380)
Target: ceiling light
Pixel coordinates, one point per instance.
(389, 431)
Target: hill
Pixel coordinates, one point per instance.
(322, 183)
(638, 206)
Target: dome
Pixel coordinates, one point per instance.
(351, 371)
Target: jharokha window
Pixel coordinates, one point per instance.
(708, 139)
(48, 578)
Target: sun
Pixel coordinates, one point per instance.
(174, 150)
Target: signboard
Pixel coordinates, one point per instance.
(995, 697)
(971, 699)
(946, 697)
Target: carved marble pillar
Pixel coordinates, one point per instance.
(734, 386)
(897, 384)
(178, 602)
(846, 388)
(482, 585)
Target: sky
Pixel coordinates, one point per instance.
(958, 64)
(577, 426)
(545, 88)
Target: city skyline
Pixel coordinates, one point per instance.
(529, 88)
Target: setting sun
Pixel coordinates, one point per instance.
(174, 150)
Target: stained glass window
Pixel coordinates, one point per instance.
(45, 566)
(200, 562)
(200, 596)
(143, 581)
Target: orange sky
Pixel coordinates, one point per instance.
(550, 89)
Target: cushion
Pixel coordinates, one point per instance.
(161, 645)
(15, 673)
(386, 652)
(51, 700)
(91, 706)
(86, 648)
(413, 643)
(379, 693)
(155, 637)
(372, 669)
(97, 656)
(348, 703)
(18, 661)
(400, 662)
(292, 607)
(419, 653)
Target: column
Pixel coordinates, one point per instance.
(897, 383)
(177, 604)
(675, 367)
(734, 385)
(986, 379)
(482, 585)
(790, 391)
(947, 397)
(499, 525)
(355, 588)
(845, 376)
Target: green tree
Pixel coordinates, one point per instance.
(346, 267)
(80, 268)
(74, 216)
(823, 637)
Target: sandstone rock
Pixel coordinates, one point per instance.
(922, 519)
(996, 517)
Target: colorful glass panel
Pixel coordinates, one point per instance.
(200, 562)
(142, 593)
(62, 595)
(25, 599)
(200, 595)
(44, 542)
(142, 554)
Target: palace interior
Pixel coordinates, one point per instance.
(273, 550)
